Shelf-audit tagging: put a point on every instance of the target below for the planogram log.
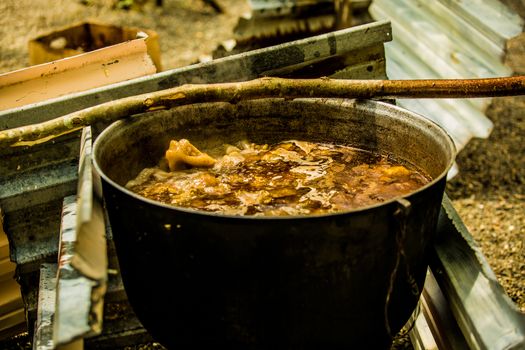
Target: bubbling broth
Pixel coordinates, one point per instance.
(288, 178)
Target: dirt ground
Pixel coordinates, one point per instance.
(489, 192)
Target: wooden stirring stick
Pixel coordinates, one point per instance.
(261, 88)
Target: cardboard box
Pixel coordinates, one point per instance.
(83, 71)
(88, 36)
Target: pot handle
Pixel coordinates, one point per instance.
(401, 214)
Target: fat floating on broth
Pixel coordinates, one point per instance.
(287, 178)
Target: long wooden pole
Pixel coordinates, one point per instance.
(261, 88)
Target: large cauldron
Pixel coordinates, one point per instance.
(325, 281)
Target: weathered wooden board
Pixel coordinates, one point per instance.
(4, 244)
(12, 323)
(10, 298)
(7, 270)
(89, 70)
(12, 313)
(87, 36)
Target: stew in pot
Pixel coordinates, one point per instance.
(288, 178)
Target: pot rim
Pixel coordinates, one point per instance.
(362, 103)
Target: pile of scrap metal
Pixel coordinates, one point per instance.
(272, 22)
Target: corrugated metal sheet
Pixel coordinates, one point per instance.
(449, 39)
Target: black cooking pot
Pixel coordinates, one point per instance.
(325, 281)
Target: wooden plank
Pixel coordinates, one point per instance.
(13, 320)
(7, 269)
(485, 314)
(12, 312)
(18, 319)
(89, 36)
(93, 69)
(10, 297)
(4, 244)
